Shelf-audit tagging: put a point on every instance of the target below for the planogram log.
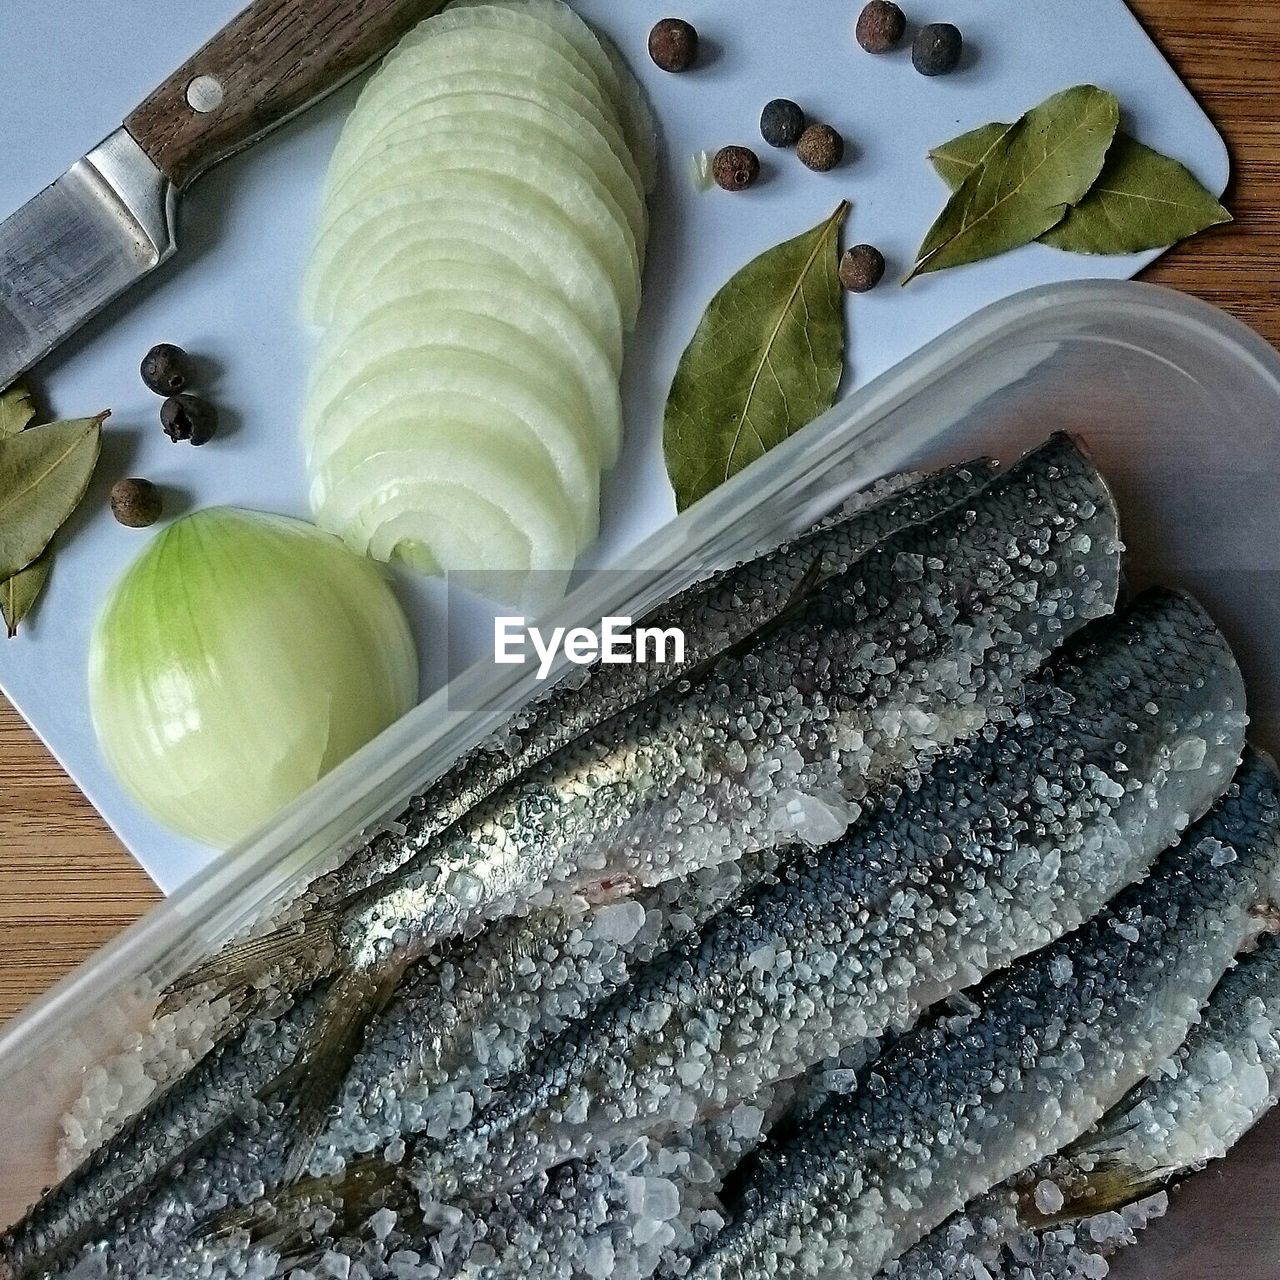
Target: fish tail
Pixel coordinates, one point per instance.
(1108, 1187)
(280, 1221)
(300, 952)
(336, 1036)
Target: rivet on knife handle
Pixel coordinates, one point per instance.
(274, 60)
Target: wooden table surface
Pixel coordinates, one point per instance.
(67, 885)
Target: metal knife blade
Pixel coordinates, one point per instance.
(101, 227)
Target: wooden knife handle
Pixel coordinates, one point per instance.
(274, 60)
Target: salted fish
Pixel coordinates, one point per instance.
(714, 615)
(521, 979)
(1008, 842)
(1062, 1218)
(917, 645)
(958, 1106)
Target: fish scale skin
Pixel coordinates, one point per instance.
(541, 967)
(1193, 1110)
(925, 894)
(1173, 1124)
(1016, 570)
(713, 614)
(1188, 644)
(961, 1104)
(422, 1037)
(226, 1078)
(1007, 843)
(917, 645)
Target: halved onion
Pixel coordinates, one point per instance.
(241, 657)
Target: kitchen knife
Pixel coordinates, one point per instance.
(109, 220)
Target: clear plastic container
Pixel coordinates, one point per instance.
(1180, 406)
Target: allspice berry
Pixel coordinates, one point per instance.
(861, 268)
(820, 148)
(881, 26)
(166, 369)
(188, 417)
(735, 168)
(135, 503)
(673, 44)
(937, 49)
(782, 122)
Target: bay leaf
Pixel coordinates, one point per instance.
(19, 593)
(766, 359)
(1042, 165)
(44, 472)
(1141, 200)
(954, 161)
(17, 410)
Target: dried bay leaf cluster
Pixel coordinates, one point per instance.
(44, 472)
(1064, 175)
(767, 356)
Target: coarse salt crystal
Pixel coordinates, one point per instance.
(1048, 1197)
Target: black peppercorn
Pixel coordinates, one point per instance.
(735, 168)
(781, 123)
(820, 147)
(881, 26)
(135, 503)
(166, 369)
(861, 268)
(673, 44)
(188, 417)
(937, 49)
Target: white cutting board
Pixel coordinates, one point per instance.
(73, 70)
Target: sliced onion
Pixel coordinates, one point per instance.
(240, 658)
(507, 148)
(481, 288)
(424, 326)
(607, 65)
(471, 392)
(476, 266)
(512, 212)
(534, 108)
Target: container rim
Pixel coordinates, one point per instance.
(388, 766)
